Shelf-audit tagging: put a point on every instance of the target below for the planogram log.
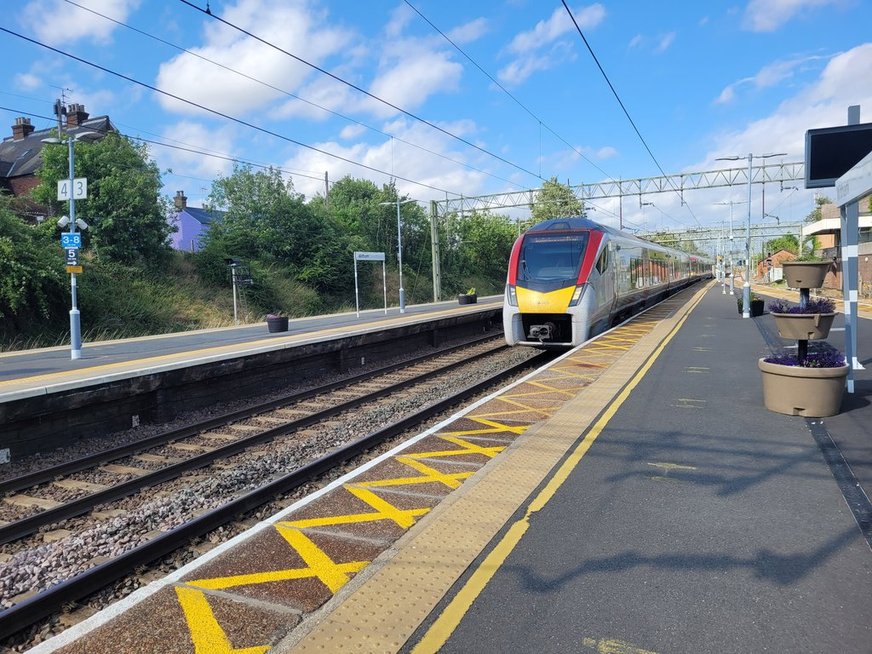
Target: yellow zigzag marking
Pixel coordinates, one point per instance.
(383, 511)
(451, 480)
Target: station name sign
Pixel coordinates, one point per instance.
(369, 256)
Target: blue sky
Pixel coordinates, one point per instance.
(700, 81)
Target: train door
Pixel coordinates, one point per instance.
(605, 283)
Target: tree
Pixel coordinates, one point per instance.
(32, 286)
(788, 242)
(817, 213)
(126, 214)
(267, 220)
(555, 200)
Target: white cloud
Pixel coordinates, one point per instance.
(195, 136)
(27, 81)
(469, 32)
(768, 76)
(545, 36)
(56, 22)
(636, 41)
(410, 75)
(405, 160)
(664, 42)
(293, 26)
(824, 103)
(769, 15)
(352, 132)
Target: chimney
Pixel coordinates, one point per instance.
(76, 115)
(180, 201)
(21, 129)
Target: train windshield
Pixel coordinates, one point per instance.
(551, 257)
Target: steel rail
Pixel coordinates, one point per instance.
(17, 618)
(27, 526)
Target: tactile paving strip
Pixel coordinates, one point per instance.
(285, 571)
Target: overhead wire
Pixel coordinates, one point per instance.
(288, 93)
(624, 109)
(224, 115)
(360, 89)
(183, 147)
(506, 91)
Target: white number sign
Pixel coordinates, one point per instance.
(80, 188)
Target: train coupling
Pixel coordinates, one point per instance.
(543, 333)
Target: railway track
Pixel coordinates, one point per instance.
(283, 417)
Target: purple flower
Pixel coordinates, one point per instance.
(814, 305)
(826, 359)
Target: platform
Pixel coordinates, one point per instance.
(635, 496)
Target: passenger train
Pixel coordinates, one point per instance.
(571, 278)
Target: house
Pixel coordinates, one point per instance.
(21, 153)
(191, 223)
(770, 268)
(828, 229)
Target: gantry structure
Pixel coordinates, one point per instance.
(764, 173)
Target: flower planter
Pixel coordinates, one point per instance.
(467, 299)
(798, 391)
(277, 324)
(805, 274)
(803, 326)
(756, 307)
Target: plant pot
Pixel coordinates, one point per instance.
(805, 274)
(467, 299)
(277, 324)
(803, 326)
(798, 391)
(757, 308)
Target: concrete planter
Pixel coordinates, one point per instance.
(803, 326)
(805, 274)
(798, 391)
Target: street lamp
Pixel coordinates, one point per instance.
(732, 283)
(399, 248)
(73, 222)
(746, 287)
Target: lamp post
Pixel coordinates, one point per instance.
(73, 222)
(400, 248)
(746, 287)
(732, 277)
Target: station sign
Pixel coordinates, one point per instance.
(369, 256)
(72, 257)
(71, 240)
(78, 189)
(74, 269)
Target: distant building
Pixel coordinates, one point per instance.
(21, 153)
(191, 223)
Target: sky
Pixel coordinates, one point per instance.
(453, 98)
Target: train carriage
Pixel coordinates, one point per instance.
(571, 278)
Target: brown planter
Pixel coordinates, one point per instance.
(798, 391)
(805, 274)
(803, 326)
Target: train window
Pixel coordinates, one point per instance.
(552, 257)
(603, 262)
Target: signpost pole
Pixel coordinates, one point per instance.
(75, 320)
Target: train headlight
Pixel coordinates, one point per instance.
(576, 296)
(511, 295)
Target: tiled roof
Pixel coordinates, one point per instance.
(22, 157)
(204, 216)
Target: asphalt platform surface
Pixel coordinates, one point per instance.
(699, 521)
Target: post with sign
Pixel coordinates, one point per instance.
(369, 256)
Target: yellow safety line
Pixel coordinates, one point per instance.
(447, 622)
(207, 635)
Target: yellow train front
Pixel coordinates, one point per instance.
(571, 278)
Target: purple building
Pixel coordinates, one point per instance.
(191, 224)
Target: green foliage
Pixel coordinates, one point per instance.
(126, 215)
(32, 286)
(555, 200)
(788, 242)
(817, 213)
(475, 251)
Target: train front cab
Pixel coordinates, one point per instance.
(549, 302)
